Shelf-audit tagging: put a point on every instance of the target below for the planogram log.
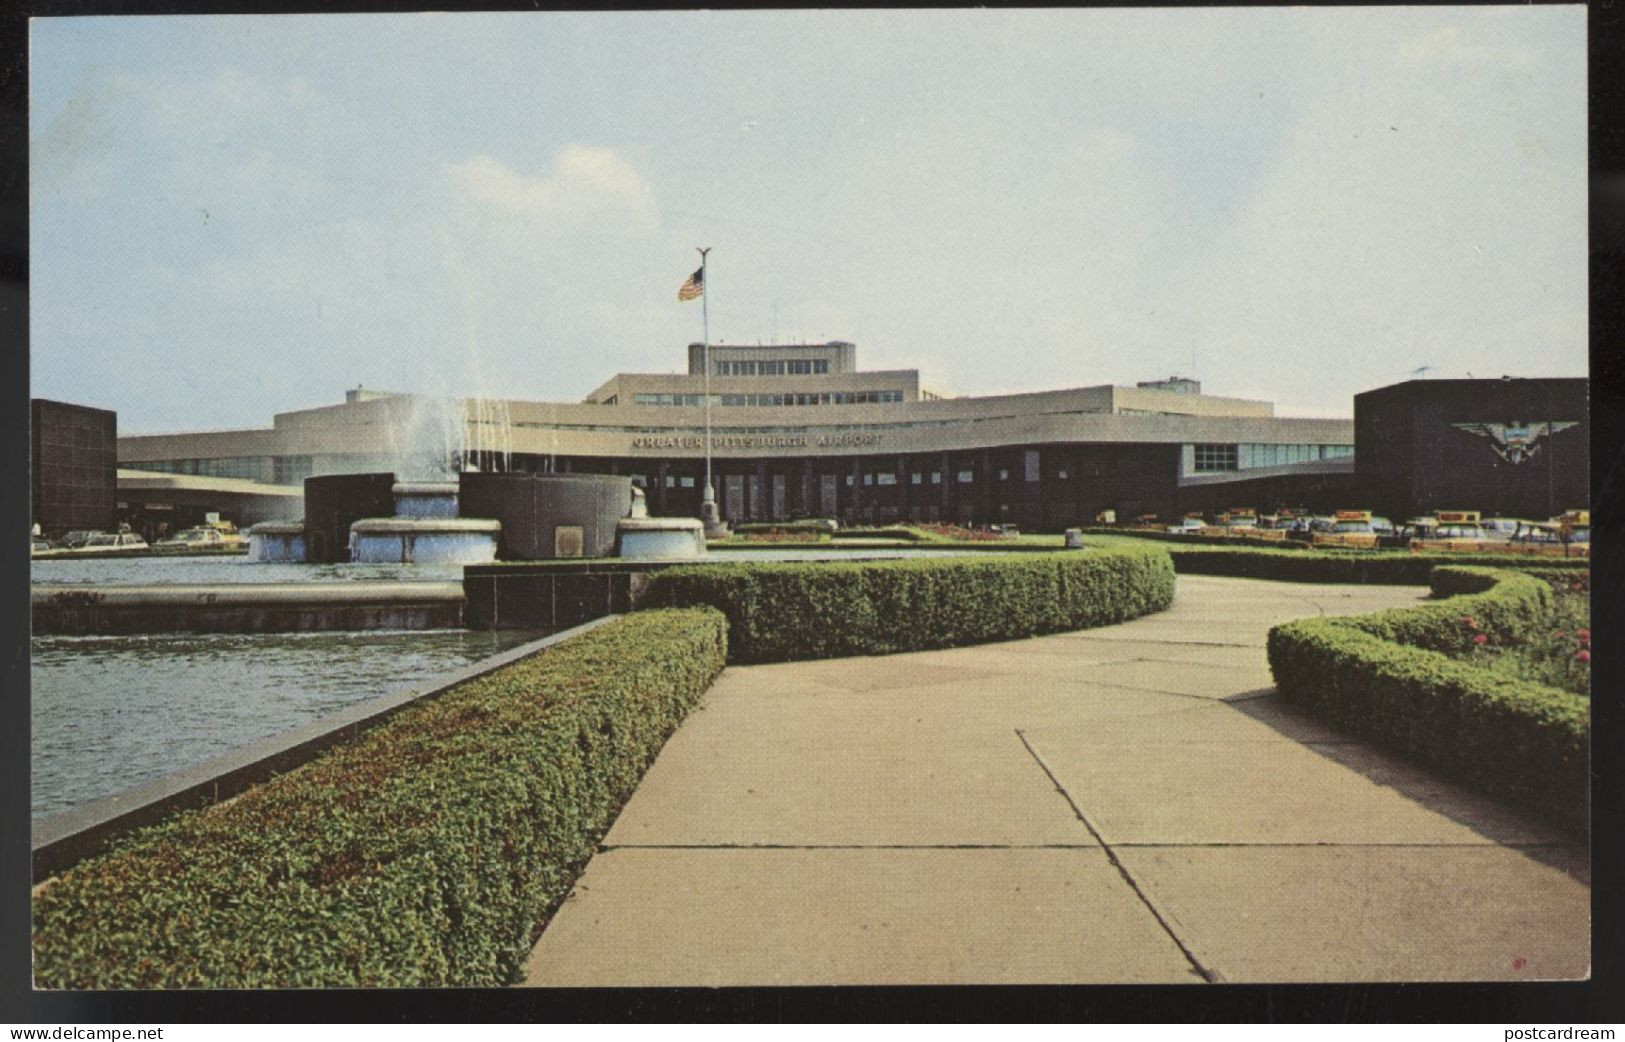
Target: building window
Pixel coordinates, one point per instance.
(1004, 475)
(1029, 464)
(1061, 474)
(687, 482)
(849, 481)
(868, 479)
(966, 477)
(1214, 458)
(640, 480)
(886, 478)
(916, 478)
(936, 477)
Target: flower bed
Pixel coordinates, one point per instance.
(1408, 679)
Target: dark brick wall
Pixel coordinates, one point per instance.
(74, 474)
(1412, 458)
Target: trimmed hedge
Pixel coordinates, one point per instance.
(427, 852)
(1349, 566)
(897, 532)
(782, 611)
(1385, 677)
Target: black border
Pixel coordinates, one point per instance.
(1599, 1000)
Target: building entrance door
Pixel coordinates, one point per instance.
(826, 495)
(778, 498)
(733, 496)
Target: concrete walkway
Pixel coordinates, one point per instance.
(1126, 804)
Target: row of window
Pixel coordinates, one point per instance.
(252, 468)
(1246, 456)
(774, 400)
(773, 367)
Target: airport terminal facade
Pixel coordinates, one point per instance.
(798, 430)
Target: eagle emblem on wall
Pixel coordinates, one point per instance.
(1515, 441)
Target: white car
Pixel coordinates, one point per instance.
(1188, 526)
(107, 541)
(195, 537)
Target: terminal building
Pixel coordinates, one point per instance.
(1508, 447)
(798, 430)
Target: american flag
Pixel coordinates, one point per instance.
(694, 287)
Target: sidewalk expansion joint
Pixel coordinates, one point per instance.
(1092, 635)
(1209, 975)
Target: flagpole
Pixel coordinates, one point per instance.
(710, 493)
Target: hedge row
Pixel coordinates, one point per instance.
(427, 852)
(1215, 540)
(782, 611)
(1385, 677)
(897, 532)
(809, 526)
(1349, 566)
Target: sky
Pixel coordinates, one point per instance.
(235, 216)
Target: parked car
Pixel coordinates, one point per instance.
(201, 538)
(1500, 528)
(103, 542)
(1187, 526)
(78, 537)
(1536, 532)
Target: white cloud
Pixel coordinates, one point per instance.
(584, 181)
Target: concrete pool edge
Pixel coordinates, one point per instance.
(95, 609)
(65, 838)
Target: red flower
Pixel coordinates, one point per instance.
(1469, 622)
(1480, 638)
(1584, 635)
(1583, 655)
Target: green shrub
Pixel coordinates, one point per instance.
(426, 852)
(1388, 678)
(895, 532)
(1348, 566)
(782, 611)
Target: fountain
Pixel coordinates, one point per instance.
(440, 506)
(277, 542)
(426, 529)
(645, 538)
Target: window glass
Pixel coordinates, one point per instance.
(1210, 458)
(966, 477)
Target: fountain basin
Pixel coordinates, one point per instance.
(409, 540)
(425, 499)
(660, 538)
(278, 542)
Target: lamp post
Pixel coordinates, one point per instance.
(714, 528)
